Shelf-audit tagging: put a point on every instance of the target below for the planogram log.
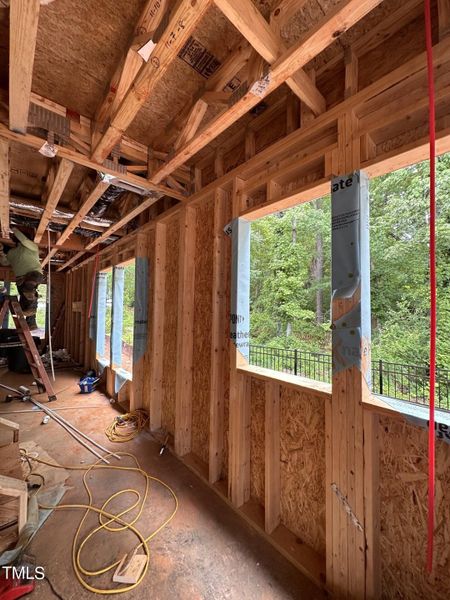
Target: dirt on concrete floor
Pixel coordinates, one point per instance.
(207, 552)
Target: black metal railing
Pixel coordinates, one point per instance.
(396, 380)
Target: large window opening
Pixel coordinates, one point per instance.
(115, 316)
(41, 313)
(290, 286)
(128, 316)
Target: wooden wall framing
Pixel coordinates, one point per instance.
(233, 431)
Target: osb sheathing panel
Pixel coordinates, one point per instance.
(202, 328)
(78, 47)
(257, 440)
(181, 81)
(170, 326)
(302, 432)
(403, 500)
(28, 171)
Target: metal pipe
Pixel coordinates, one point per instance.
(32, 410)
(69, 431)
(86, 437)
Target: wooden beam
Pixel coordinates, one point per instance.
(130, 63)
(23, 28)
(63, 173)
(157, 327)
(124, 220)
(85, 207)
(182, 23)
(283, 12)
(215, 84)
(272, 480)
(4, 187)
(185, 331)
(192, 124)
(74, 258)
(249, 21)
(218, 338)
(33, 141)
(336, 22)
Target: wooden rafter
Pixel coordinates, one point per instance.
(85, 207)
(4, 188)
(124, 220)
(33, 141)
(65, 168)
(192, 123)
(284, 11)
(71, 260)
(183, 21)
(249, 21)
(131, 62)
(217, 82)
(337, 21)
(23, 19)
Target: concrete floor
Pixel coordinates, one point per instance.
(206, 553)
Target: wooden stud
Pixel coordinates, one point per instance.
(137, 399)
(63, 173)
(185, 332)
(372, 504)
(250, 143)
(4, 187)
(239, 404)
(157, 343)
(272, 481)
(216, 403)
(23, 28)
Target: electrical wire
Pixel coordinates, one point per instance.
(106, 519)
(431, 432)
(126, 427)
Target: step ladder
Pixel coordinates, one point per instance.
(11, 303)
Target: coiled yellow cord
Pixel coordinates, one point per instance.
(110, 518)
(126, 427)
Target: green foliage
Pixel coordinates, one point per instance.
(286, 287)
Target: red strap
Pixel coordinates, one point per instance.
(431, 432)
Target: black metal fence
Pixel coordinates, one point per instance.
(403, 382)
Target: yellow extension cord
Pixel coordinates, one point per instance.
(126, 427)
(103, 514)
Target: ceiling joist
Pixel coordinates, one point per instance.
(128, 67)
(63, 173)
(244, 15)
(182, 23)
(337, 21)
(23, 19)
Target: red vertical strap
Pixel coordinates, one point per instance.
(93, 283)
(431, 432)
